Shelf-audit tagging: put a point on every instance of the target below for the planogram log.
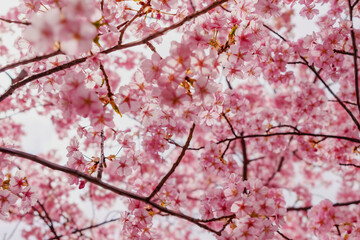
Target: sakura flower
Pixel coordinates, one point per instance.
(204, 89)
(126, 100)
(87, 102)
(77, 37)
(209, 117)
(152, 68)
(143, 217)
(17, 182)
(99, 121)
(77, 161)
(29, 198)
(83, 8)
(201, 63)
(173, 97)
(123, 166)
(164, 4)
(309, 11)
(43, 31)
(6, 200)
(73, 147)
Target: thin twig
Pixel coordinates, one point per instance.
(335, 205)
(281, 234)
(46, 219)
(344, 52)
(89, 227)
(112, 49)
(353, 40)
(349, 164)
(14, 21)
(277, 34)
(34, 59)
(172, 170)
(312, 68)
(245, 159)
(102, 156)
(230, 125)
(278, 169)
(104, 185)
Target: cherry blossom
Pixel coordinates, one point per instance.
(180, 119)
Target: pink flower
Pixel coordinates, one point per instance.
(87, 102)
(152, 68)
(43, 31)
(127, 101)
(77, 36)
(6, 200)
(18, 182)
(29, 198)
(123, 166)
(77, 161)
(142, 216)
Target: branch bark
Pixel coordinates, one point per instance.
(172, 170)
(110, 50)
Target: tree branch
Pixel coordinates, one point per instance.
(102, 156)
(104, 185)
(231, 127)
(353, 40)
(48, 222)
(14, 21)
(335, 205)
(89, 227)
(172, 170)
(245, 159)
(34, 59)
(110, 50)
(312, 68)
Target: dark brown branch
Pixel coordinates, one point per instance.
(51, 224)
(297, 62)
(312, 68)
(102, 156)
(14, 21)
(89, 227)
(281, 234)
(218, 218)
(104, 185)
(338, 229)
(347, 102)
(349, 164)
(46, 219)
(112, 49)
(353, 40)
(245, 159)
(335, 205)
(227, 148)
(122, 31)
(230, 125)
(192, 5)
(34, 59)
(172, 170)
(228, 83)
(344, 52)
(354, 4)
(277, 34)
(19, 84)
(110, 94)
(276, 171)
(276, 134)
